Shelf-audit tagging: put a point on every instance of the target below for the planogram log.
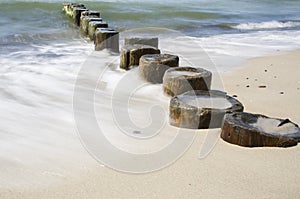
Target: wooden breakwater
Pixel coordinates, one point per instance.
(92, 25)
(188, 87)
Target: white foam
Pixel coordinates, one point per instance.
(229, 50)
(270, 126)
(267, 25)
(37, 133)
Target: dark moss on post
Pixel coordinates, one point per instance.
(69, 8)
(107, 38)
(66, 6)
(131, 54)
(153, 67)
(185, 114)
(182, 79)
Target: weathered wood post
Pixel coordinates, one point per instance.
(77, 14)
(73, 11)
(180, 80)
(131, 54)
(84, 24)
(65, 7)
(153, 67)
(93, 25)
(106, 38)
(201, 109)
(74, 6)
(256, 130)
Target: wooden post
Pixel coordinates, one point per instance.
(77, 14)
(201, 109)
(242, 129)
(131, 54)
(93, 25)
(180, 80)
(153, 67)
(84, 24)
(106, 38)
(73, 11)
(65, 7)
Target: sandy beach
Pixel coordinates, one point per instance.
(267, 85)
(74, 124)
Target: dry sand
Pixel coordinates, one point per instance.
(227, 172)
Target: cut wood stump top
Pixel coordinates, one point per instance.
(202, 109)
(256, 130)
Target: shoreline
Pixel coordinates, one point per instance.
(229, 171)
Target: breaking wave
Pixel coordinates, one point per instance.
(267, 25)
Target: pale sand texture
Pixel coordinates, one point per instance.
(229, 171)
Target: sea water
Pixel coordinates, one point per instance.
(42, 54)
